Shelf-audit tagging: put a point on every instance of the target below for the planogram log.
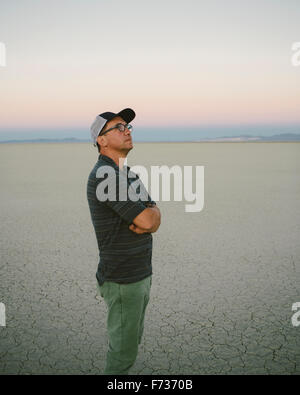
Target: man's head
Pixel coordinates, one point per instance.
(115, 137)
(101, 121)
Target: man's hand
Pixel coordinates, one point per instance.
(148, 221)
(148, 204)
(137, 230)
(142, 227)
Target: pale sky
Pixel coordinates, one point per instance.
(175, 62)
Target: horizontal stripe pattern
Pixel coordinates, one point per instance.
(124, 256)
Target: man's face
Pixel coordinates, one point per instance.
(114, 139)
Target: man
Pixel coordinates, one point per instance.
(123, 230)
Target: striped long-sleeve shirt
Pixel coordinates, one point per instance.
(125, 256)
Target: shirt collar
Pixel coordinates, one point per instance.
(111, 162)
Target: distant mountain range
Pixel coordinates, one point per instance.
(276, 137)
(285, 137)
(64, 140)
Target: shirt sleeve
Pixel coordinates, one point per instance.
(126, 208)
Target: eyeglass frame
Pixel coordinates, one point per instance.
(127, 126)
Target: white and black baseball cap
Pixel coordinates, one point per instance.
(127, 114)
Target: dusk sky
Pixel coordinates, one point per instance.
(175, 62)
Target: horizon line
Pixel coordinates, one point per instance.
(240, 138)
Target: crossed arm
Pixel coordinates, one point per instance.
(148, 221)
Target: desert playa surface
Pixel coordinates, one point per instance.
(224, 279)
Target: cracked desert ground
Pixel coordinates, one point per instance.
(224, 279)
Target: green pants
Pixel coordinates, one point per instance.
(125, 322)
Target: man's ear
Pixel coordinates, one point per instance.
(102, 141)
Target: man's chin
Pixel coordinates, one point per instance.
(127, 149)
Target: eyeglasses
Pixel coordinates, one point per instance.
(120, 126)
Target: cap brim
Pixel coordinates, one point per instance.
(127, 114)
